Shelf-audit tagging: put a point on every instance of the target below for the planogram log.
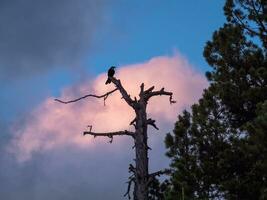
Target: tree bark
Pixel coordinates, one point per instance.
(141, 149)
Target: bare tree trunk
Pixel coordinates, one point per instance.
(141, 148)
(140, 177)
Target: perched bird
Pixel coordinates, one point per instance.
(111, 73)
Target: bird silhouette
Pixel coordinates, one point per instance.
(111, 73)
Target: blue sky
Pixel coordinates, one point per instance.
(47, 46)
(130, 32)
(139, 30)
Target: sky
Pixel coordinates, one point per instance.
(50, 49)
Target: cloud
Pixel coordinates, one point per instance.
(67, 173)
(38, 35)
(53, 125)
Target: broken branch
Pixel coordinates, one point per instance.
(150, 94)
(152, 123)
(133, 122)
(149, 89)
(142, 89)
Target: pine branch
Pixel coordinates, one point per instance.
(160, 172)
(244, 25)
(152, 176)
(258, 18)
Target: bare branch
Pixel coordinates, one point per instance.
(159, 93)
(133, 122)
(142, 89)
(152, 123)
(131, 180)
(90, 126)
(110, 134)
(148, 148)
(105, 96)
(171, 100)
(149, 89)
(123, 92)
(132, 169)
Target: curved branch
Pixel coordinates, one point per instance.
(105, 96)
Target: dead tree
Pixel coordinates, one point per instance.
(140, 175)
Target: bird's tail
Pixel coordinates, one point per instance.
(108, 81)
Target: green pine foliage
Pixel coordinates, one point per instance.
(218, 150)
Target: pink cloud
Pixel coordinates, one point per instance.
(52, 124)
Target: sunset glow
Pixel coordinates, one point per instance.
(53, 124)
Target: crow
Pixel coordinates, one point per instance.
(111, 73)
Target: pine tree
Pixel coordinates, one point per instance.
(220, 149)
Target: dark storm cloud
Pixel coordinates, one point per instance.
(36, 35)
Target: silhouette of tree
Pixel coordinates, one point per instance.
(140, 176)
(219, 150)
